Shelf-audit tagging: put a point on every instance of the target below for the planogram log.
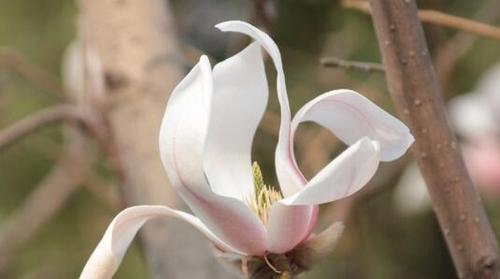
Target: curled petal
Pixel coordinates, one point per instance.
(109, 253)
(184, 128)
(290, 178)
(345, 175)
(239, 100)
(351, 116)
(182, 139)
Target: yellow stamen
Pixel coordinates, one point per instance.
(265, 195)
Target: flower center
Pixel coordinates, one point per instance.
(265, 195)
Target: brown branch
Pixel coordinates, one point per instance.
(15, 61)
(441, 18)
(415, 91)
(59, 113)
(334, 62)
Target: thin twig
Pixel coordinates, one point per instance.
(440, 18)
(415, 91)
(356, 65)
(67, 113)
(467, 25)
(15, 61)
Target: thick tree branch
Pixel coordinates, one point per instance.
(136, 44)
(415, 91)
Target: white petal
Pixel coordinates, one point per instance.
(239, 100)
(182, 139)
(109, 253)
(351, 116)
(345, 175)
(184, 128)
(472, 116)
(289, 225)
(289, 176)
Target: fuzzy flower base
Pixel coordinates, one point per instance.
(283, 266)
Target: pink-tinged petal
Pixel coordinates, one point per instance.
(184, 128)
(351, 116)
(182, 139)
(345, 175)
(290, 178)
(229, 219)
(109, 253)
(482, 158)
(239, 100)
(289, 225)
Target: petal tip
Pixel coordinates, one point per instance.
(226, 25)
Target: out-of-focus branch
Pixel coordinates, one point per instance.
(450, 53)
(261, 14)
(103, 191)
(415, 91)
(49, 196)
(59, 113)
(15, 61)
(136, 44)
(467, 25)
(334, 62)
(440, 18)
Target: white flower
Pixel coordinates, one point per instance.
(205, 143)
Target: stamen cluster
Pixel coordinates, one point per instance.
(265, 195)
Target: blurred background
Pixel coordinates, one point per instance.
(49, 231)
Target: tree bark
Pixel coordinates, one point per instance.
(136, 43)
(415, 91)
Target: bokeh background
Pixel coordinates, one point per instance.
(379, 242)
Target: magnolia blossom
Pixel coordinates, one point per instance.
(205, 145)
(475, 117)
